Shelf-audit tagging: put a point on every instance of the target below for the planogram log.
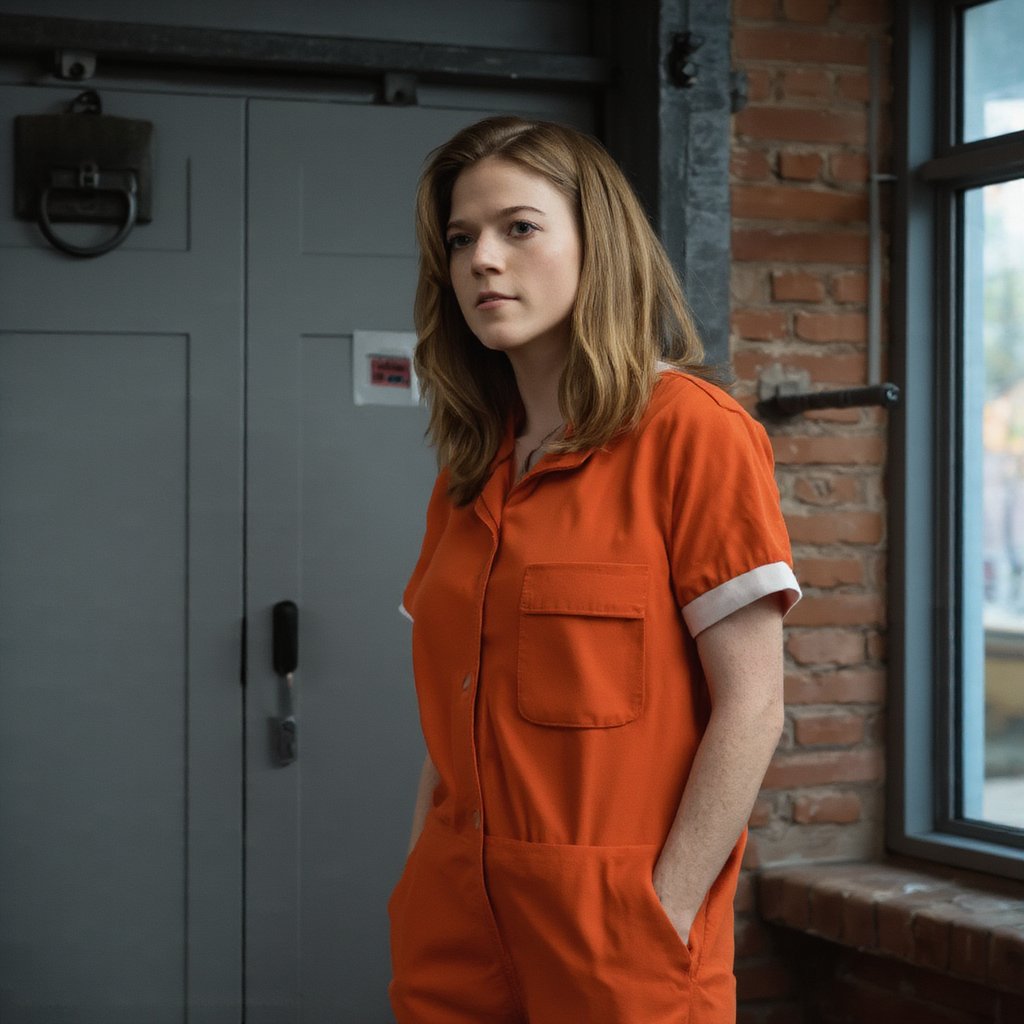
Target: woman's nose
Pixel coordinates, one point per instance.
(487, 255)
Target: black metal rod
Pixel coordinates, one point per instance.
(792, 405)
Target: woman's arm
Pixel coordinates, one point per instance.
(429, 778)
(742, 659)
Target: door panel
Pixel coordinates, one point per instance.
(337, 492)
(120, 595)
(335, 499)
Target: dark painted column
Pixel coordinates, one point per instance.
(671, 132)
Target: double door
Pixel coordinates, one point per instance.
(180, 449)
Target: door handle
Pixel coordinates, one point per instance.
(286, 661)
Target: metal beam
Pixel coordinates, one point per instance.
(299, 53)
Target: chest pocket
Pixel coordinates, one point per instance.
(581, 643)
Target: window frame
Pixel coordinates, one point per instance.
(933, 169)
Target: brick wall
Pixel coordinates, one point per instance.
(799, 288)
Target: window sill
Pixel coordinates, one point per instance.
(956, 922)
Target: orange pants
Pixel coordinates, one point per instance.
(489, 930)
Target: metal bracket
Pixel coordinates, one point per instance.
(399, 89)
(682, 71)
(74, 65)
(781, 405)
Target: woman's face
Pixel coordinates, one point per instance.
(514, 253)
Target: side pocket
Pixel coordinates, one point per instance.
(663, 923)
(581, 643)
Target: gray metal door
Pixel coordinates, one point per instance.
(121, 592)
(179, 450)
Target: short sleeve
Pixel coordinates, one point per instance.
(728, 541)
(438, 509)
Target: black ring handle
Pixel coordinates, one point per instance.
(129, 192)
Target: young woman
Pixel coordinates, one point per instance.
(596, 609)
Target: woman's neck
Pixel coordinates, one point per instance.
(537, 376)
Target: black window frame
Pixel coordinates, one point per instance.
(933, 170)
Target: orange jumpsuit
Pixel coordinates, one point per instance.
(562, 701)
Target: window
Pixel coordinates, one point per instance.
(957, 446)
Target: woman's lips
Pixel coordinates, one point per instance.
(493, 301)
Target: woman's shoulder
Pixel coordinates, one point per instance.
(685, 398)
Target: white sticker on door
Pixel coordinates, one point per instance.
(382, 370)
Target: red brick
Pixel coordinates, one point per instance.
(761, 325)
(800, 46)
(834, 415)
(837, 610)
(752, 938)
(831, 730)
(877, 12)
(895, 915)
(1006, 956)
(931, 939)
(822, 767)
(835, 528)
(826, 913)
(796, 124)
(759, 85)
(761, 10)
(968, 950)
(876, 646)
(751, 854)
(829, 572)
(744, 901)
(827, 490)
(856, 87)
(789, 1012)
(782, 202)
(851, 686)
(806, 84)
(859, 928)
(750, 164)
(825, 370)
(828, 327)
(894, 932)
(849, 166)
(808, 11)
(797, 286)
(826, 647)
(799, 166)
(762, 981)
(838, 451)
(850, 287)
(783, 246)
(761, 813)
(833, 808)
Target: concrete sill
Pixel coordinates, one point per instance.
(955, 922)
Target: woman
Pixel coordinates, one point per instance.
(597, 609)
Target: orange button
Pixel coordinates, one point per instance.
(476, 819)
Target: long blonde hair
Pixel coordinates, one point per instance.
(629, 309)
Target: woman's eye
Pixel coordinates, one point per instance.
(457, 241)
(523, 227)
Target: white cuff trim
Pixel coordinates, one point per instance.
(405, 611)
(740, 591)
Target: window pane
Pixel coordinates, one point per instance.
(992, 525)
(993, 78)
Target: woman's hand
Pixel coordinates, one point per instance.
(682, 917)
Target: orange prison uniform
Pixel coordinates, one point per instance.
(562, 701)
